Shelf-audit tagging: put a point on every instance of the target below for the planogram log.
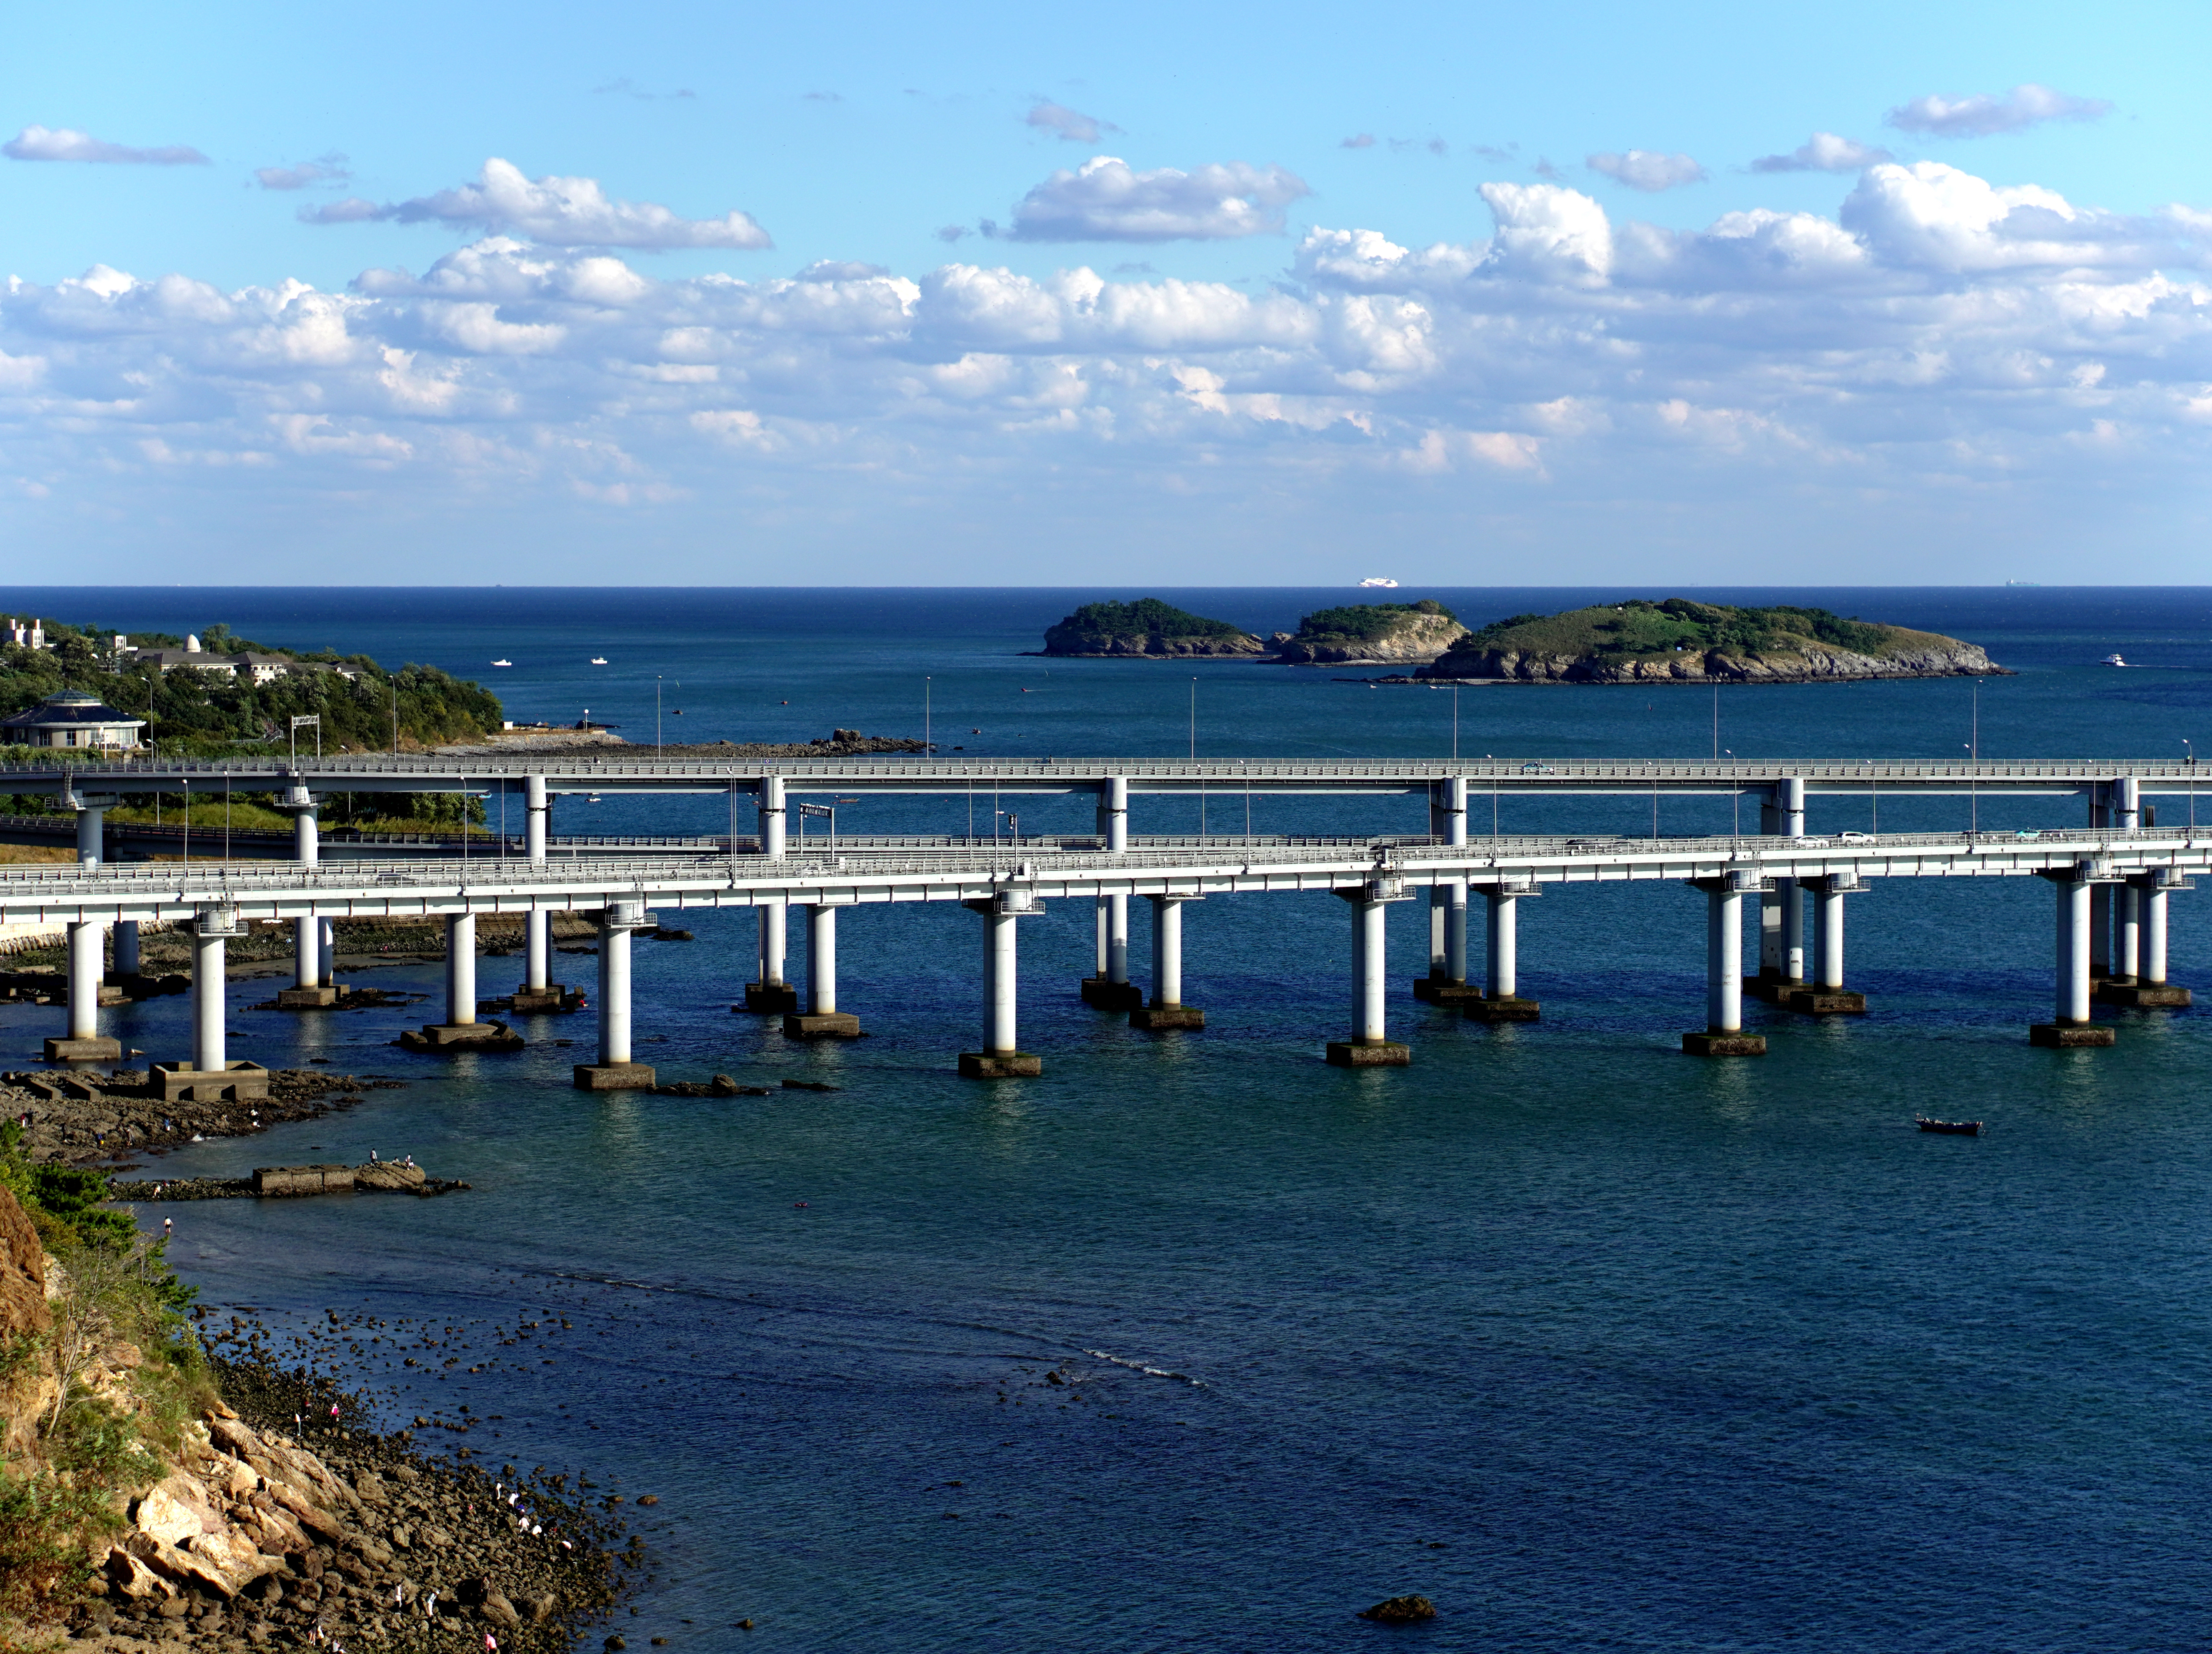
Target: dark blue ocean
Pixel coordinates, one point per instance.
(1596, 1344)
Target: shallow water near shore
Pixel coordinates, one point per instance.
(1594, 1344)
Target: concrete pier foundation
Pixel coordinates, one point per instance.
(2149, 990)
(2071, 1025)
(822, 1019)
(1371, 1045)
(1501, 1000)
(84, 1042)
(1825, 995)
(615, 1071)
(1108, 988)
(210, 1076)
(1001, 1057)
(1723, 1034)
(1167, 1009)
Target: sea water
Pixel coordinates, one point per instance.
(1594, 1344)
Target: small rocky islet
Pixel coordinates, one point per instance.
(1636, 640)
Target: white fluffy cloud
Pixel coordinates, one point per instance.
(560, 212)
(1824, 152)
(67, 143)
(1942, 337)
(1986, 113)
(1648, 169)
(1107, 200)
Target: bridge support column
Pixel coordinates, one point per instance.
(2070, 1025)
(538, 992)
(1109, 989)
(126, 951)
(308, 991)
(1827, 996)
(212, 1076)
(326, 953)
(769, 994)
(1723, 1034)
(1501, 1000)
(1001, 1057)
(1446, 984)
(461, 1031)
(2146, 896)
(1782, 909)
(822, 1019)
(88, 946)
(1371, 1046)
(1167, 1009)
(614, 1071)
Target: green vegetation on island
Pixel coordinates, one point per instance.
(1359, 633)
(1638, 641)
(1147, 628)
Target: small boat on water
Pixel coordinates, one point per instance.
(502, 663)
(2112, 661)
(1382, 580)
(1952, 1127)
(599, 660)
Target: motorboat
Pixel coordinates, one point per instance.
(1384, 581)
(1949, 1127)
(502, 663)
(2112, 661)
(599, 660)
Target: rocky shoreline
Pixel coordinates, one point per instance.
(288, 1523)
(76, 1118)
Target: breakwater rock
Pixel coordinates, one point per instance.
(78, 1118)
(1679, 641)
(1370, 634)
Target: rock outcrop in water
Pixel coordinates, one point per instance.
(1370, 634)
(1679, 641)
(1147, 629)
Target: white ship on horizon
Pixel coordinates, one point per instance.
(1381, 580)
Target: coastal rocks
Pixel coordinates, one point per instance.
(1371, 634)
(1400, 1611)
(1683, 640)
(719, 1085)
(1147, 629)
(23, 1272)
(77, 1118)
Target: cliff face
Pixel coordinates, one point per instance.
(1937, 658)
(1404, 636)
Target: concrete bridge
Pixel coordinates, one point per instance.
(2111, 879)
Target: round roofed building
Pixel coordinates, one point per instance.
(72, 718)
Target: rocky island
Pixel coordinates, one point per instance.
(1146, 629)
(1370, 634)
(1680, 640)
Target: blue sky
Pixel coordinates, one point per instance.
(1284, 294)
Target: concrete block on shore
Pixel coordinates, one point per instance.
(303, 1180)
(553, 997)
(1481, 1008)
(614, 1077)
(1824, 1002)
(237, 1081)
(821, 1024)
(1710, 1042)
(2065, 1036)
(2143, 995)
(306, 998)
(1441, 990)
(999, 1065)
(1103, 996)
(1167, 1016)
(98, 1049)
(449, 1038)
(1369, 1054)
(770, 999)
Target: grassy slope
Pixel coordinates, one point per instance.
(1641, 630)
